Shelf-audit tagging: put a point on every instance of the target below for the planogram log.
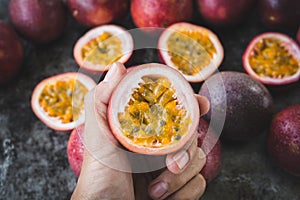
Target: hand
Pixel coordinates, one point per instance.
(100, 177)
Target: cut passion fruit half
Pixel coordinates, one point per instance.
(153, 110)
(58, 101)
(194, 51)
(101, 46)
(273, 59)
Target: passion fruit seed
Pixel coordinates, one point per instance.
(154, 117)
(63, 99)
(103, 50)
(270, 58)
(190, 51)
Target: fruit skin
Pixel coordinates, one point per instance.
(244, 104)
(284, 139)
(203, 74)
(75, 149)
(160, 13)
(11, 53)
(185, 95)
(224, 13)
(51, 122)
(38, 21)
(93, 13)
(211, 145)
(289, 44)
(117, 31)
(280, 13)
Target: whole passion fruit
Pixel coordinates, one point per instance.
(95, 13)
(101, 46)
(280, 13)
(153, 110)
(194, 51)
(284, 139)
(246, 105)
(58, 101)
(160, 13)
(38, 21)
(75, 149)
(211, 145)
(224, 13)
(273, 59)
(11, 53)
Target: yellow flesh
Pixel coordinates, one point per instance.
(103, 50)
(190, 51)
(270, 59)
(63, 99)
(153, 116)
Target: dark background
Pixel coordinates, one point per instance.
(33, 158)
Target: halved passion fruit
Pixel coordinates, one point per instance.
(58, 101)
(153, 110)
(273, 59)
(101, 46)
(193, 50)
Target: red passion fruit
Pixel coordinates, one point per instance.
(280, 13)
(224, 13)
(211, 145)
(101, 46)
(284, 139)
(153, 110)
(273, 59)
(75, 149)
(38, 21)
(194, 51)
(58, 101)
(160, 13)
(95, 13)
(11, 53)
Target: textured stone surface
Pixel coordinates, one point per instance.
(33, 159)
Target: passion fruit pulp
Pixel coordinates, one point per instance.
(193, 50)
(101, 46)
(11, 53)
(152, 110)
(58, 101)
(273, 59)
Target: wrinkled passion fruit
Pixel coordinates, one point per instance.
(75, 149)
(153, 110)
(94, 13)
(224, 13)
(245, 105)
(58, 101)
(101, 46)
(211, 145)
(38, 21)
(160, 13)
(194, 51)
(284, 139)
(11, 53)
(273, 58)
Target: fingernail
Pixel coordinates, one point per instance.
(181, 159)
(111, 72)
(158, 189)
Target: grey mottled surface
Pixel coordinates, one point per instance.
(33, 159)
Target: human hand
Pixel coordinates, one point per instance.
(100, 177)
